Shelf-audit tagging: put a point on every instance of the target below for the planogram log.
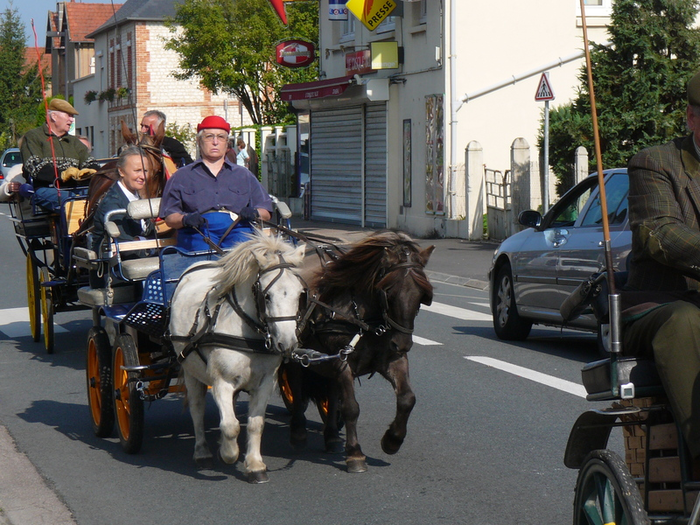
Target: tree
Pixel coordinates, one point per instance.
(230, 46)
(20, 85)
(639, 83)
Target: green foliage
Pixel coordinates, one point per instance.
(185, 134)
(20, 86)
(639, 83)
(230, 46)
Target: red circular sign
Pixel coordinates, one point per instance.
(295, 53)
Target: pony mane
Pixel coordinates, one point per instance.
(246, 259)
(363, 267)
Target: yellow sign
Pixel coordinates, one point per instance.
(385, 55)
(371, 12)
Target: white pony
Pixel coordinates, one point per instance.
(231, 322)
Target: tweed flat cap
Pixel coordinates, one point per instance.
(58, 104)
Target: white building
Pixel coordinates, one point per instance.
(387, 146)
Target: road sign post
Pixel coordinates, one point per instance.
(545, 93)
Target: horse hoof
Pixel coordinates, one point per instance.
(204, 463)
(298, 442)
(258, 477)
(390, 444)
(335, 446)
(356, 465)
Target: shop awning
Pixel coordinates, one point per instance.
(331, 87)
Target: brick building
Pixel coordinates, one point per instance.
(134, 73)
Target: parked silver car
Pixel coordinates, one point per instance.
(534, 270)
(9, 158)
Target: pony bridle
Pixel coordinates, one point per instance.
(261, 325)
(306, 356)
(389, 323)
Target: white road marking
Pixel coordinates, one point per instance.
(425, 342)
(538, 377)
(15, 323)
(456, 312)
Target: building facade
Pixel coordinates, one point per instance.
(387, 125)
(134, 73)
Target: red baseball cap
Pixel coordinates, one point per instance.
(214, 122)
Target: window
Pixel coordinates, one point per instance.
(348, 29)
(595, 7)
(388, 24)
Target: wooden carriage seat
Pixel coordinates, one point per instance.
(101, 296)
(75, 211)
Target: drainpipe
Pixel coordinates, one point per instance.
(453, 108)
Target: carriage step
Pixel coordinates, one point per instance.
(663, 437)
(665, 470)
(670, 500)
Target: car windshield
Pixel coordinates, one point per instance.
(616, 189)
(12, 158)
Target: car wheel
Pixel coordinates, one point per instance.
(508, 325)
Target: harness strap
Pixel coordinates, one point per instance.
(242, 344)
(233, 301)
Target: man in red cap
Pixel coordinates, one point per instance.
(212, 193)
(49, 150)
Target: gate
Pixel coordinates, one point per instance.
(498, 203)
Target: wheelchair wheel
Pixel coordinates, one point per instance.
(607, 493)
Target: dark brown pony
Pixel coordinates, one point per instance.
(160, 169)
(375, 290)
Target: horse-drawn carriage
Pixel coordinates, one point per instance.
(657, 481)
(228, 320)
(47, 241)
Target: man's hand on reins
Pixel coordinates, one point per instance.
(193, 220)
(248, 214)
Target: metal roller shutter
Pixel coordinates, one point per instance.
(375, 165)
(336, 165)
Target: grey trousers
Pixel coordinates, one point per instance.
(670, 335)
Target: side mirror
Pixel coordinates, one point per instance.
(530, 218)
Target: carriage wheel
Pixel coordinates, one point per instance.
(33, 298)
(607, 493)
(128, 405)
(98, 371)
(47, 312)
(286, 391)
(288, 399)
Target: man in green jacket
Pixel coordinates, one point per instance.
(47, 151)
(661, 300)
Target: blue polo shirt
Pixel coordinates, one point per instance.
(195, 188)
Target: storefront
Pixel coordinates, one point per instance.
(347, 145)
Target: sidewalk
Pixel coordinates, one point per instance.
(454, 261)
(26, 498)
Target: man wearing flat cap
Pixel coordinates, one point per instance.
(661, 316)
(48, 151)
(213, 196)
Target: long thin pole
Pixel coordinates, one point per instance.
(545, 172)
(598, 157)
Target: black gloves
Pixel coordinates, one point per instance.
(193, 220)
(248, 214)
